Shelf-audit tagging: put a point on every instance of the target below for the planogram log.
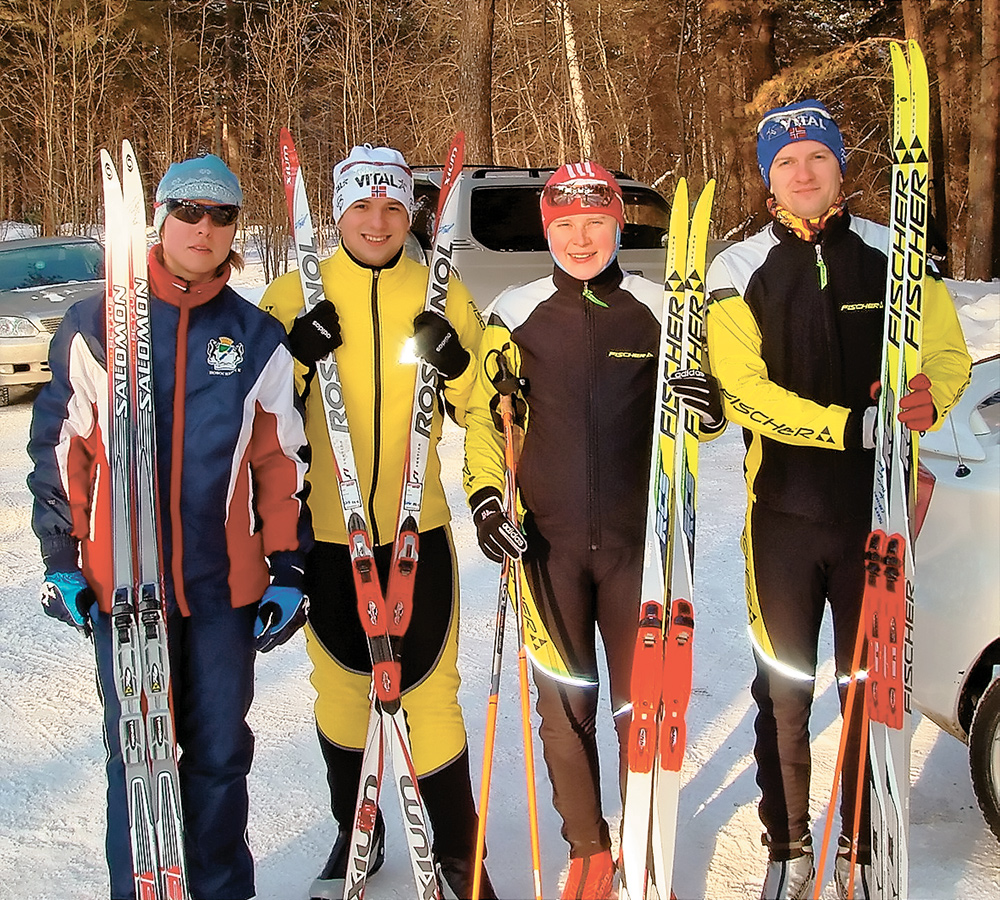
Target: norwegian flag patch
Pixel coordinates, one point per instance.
(796, 132)
(379, 191)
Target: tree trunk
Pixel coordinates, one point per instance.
(578, 100)
(475, 81)
(979, 262)
(929, 27)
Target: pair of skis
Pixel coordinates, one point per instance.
(661, 667)
(139, 635)
(887, 617)
(384, 618)
(889, 602)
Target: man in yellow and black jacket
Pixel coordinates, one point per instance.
(375, 301)
(795, 330)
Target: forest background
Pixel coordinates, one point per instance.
(656, 88)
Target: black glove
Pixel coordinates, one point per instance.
(699, 391)
(436, 342)
(497, 535)
(859, 430)
(315, 334)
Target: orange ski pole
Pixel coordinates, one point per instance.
(856, 675)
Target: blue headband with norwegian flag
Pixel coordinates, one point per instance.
(806, 120)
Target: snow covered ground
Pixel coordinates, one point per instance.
(51, 753)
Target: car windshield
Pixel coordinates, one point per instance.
(43, 264)
(506, 218)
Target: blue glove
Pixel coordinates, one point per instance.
(281, 613)
(66, 596)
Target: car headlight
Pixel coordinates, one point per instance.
(16, 326)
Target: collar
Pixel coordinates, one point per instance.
(389, 265)
(603, 284)
(808, 230)
(178, 292)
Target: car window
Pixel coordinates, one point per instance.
(28, 267)
(507, 219)
(989, 409)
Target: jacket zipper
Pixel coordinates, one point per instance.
(377, 414)
(820, 267)
(592, 524)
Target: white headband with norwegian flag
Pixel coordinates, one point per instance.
(371, 172)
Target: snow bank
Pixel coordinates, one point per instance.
(978, 305)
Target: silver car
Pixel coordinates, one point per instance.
(40, 278)
(956, 636)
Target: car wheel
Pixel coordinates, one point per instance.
(984, 755)
(4, 395)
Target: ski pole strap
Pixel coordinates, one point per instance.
(505, 381)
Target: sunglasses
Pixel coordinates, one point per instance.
(192, 213)
(594, 194)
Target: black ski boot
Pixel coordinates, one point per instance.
(455, 878)
(343, 772)
(329, 884)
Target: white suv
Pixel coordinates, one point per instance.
(499, 240)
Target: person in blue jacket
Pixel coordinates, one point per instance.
(233, 523)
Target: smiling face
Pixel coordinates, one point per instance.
(195, 252)
(374, 230)
(583, 245)
(806, 178)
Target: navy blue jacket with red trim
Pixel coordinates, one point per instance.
(236, 493)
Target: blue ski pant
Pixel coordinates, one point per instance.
(212, 670)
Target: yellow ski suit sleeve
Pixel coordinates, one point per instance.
(753, 401)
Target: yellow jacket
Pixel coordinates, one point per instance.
(376, 309)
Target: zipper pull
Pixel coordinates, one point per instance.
(821, 267)
(588, 294)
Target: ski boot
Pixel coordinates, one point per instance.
(842, 873)
(455, 878)
(329, 884)
(789, 879)
(590, 877)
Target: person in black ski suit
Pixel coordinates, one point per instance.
(794, 331)
(585, 342)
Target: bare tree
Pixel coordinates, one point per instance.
(574, 70)
(475, 84)
(980, 261)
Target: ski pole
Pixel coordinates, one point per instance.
(490, 738)
(862, 766)
(529, 755)
(507, 386)
(856, 675)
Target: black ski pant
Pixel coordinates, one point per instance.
(578, 592)
(794, 567)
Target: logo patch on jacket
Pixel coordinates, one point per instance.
(225, 356)
(629, 354)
